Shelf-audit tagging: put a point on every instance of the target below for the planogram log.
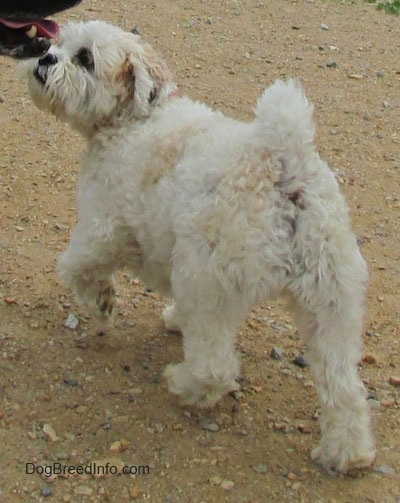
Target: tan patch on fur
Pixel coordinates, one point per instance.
(124, 78)
(169, 149)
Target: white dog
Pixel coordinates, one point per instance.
(218, 214)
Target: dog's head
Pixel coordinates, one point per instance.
(97, 74)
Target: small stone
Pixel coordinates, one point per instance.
(300, 361)
(81, 341)
(115, 446)
(134, 491)
(215, 481)
(46, 491)
(304, 428)
(276, 353)
(71, 382)
(324, 26)
(355, 76)
(369, 358)
(256, 389)
(50, 433)
(205, 424)
(331, 64)
(71, 322)
(228, 485)
(260, 468)
(388, 402)
(119, 445)
(10, 301)
(383, 469)
(394, 380)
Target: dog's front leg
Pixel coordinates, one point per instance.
(87, 267)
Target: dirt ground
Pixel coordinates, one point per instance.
(71, 397)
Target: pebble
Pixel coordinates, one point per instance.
(300, 361)
(304, 428)
(383, 469)
(81, 341)
(260, 468)
(324, 26)
(276, 353)
(388, 402)
(71, 322)
(228, 485)
(10, 301)
(208, 425)
(284, 427)
(50, 433)
(369, 358)
(331, 64)
(134, 491)
(71, 382)
(215, 480)
(46, 491)
(116, 446)
(394, 380)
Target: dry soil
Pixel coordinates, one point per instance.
(71, 397)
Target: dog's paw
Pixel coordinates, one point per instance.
(343, 459)
(193, 390)
(171, 321)
(105, 301)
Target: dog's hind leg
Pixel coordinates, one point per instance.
(210, 363)
(208, 318)
(328, 308)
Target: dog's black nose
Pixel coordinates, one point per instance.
(48, 60)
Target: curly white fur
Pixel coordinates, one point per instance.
(218, 214)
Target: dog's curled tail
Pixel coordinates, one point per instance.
(284, 119)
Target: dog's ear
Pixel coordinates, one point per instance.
(146, 75)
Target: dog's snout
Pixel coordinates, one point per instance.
(48, 60)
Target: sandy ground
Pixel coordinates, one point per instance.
(71, 397)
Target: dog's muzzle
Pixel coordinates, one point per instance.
(43, 67)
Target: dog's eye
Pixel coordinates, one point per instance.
(85, 59)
